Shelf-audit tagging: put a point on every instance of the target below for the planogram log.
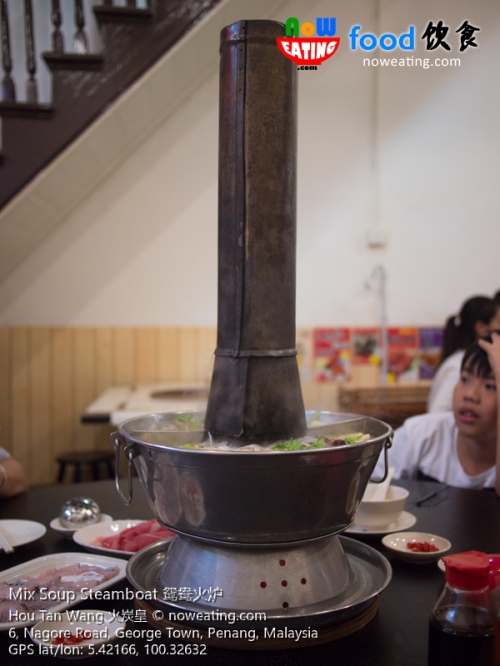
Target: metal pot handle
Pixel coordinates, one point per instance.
(117, 440)
(387, 446)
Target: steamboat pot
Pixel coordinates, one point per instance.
(249, 497)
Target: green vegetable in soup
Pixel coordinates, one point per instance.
(353, 438)
(184, 418)
(297, 445)
(291, 445)
(189, 422)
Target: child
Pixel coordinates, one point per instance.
(461, 448)
(478, 317)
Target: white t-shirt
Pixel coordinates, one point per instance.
(428, 443)
(447, 376)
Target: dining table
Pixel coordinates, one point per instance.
(396, 636)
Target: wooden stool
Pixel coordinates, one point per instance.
(81, 458)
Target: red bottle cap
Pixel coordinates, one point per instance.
(494, 579)
(469, 570)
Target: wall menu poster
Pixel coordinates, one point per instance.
(430, 339)
(332, 354)
(402, 350)
(366, 346)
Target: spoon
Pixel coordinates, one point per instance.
(381, 490)
(79, 512)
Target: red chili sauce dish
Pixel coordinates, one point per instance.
(422, 547)
(417, 547)
(71, 639)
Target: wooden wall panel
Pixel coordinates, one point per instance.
(62, 381)
(146, 356)
(104, 359)
(207, 342)
(322, 396)
(48, 376)
(366, 376)
(188, 356)
(5, 387)
(40, 422)
(20, 421)
(168, 355)
(84, 385)
(124, 356)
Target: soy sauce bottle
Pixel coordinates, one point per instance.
(461, 626)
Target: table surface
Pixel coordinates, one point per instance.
(397, 636)
(119, 403)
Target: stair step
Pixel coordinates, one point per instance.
(133, 40)
(121, 14)
(26, 110)
(73, 61)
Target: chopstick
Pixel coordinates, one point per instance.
(429, 496)
(4, 544)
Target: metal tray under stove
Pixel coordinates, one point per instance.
(371, 575)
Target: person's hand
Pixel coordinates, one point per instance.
(493, 350)
(13, 480)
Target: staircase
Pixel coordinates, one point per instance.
(83, 84)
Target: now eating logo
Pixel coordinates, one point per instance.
(309, 50)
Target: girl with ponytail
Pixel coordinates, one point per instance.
(478, 317)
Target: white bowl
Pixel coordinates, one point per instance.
(373, 513)
(398, 544)
(102, 628)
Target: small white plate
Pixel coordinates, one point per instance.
(102, 628)
(35, 567)
(87, 536)
(398, 544)
(19, 532)
(56, 525)
(404, 522)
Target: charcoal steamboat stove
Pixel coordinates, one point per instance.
(256, 530)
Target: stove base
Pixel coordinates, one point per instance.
(290, 577)
(371, 573)
(177, 631)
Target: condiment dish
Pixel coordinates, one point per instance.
(68, 532)
(398, 544)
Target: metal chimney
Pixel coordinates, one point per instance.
(255, 390)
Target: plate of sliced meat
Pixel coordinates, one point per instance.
(53, 583)
(121, 537)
